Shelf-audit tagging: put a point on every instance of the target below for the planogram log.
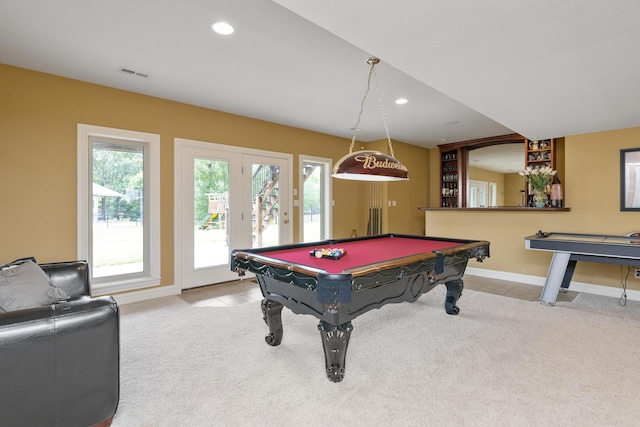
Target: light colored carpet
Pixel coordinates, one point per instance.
(501, 362)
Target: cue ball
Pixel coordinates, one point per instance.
(318, 254)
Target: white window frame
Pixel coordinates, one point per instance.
(327, 203)
(125, 282)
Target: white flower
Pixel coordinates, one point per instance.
(538, 177)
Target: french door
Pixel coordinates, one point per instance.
(226, 198)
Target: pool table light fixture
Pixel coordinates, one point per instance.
(369, 165)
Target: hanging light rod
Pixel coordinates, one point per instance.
(369, 165)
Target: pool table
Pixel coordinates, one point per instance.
(359, 275)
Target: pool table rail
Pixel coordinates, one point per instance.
(255, 263)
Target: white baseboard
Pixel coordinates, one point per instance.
(587, 288)
(146, 294)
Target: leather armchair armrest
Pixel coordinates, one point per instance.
(72, 276)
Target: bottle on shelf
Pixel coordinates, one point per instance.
(556, 192)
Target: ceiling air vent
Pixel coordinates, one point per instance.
(133, 72)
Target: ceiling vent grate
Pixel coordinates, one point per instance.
(133, 72)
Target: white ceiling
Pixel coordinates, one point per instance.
(469, 68)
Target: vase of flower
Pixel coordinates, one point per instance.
(538, 178)
(539, 198)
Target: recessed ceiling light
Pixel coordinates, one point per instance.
(222, 28)
(401, 101)
(452, 123)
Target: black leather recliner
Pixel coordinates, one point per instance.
(60, 364)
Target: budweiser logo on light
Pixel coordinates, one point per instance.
(371, 162)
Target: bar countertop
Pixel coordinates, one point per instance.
(499, 209)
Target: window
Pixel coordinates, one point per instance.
(118, 208)
(315, 198)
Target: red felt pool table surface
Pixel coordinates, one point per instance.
(360, 252)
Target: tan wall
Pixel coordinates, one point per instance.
(592, 190)
(513, 183)
(405, 217)
(39, 114)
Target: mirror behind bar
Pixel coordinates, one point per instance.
(493, 176)
(467, 182)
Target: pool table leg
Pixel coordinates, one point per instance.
(335, 340)
(454, 290)
(272, 316)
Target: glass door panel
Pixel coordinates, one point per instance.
(269, 212)
(265, 193)
(211, 212)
